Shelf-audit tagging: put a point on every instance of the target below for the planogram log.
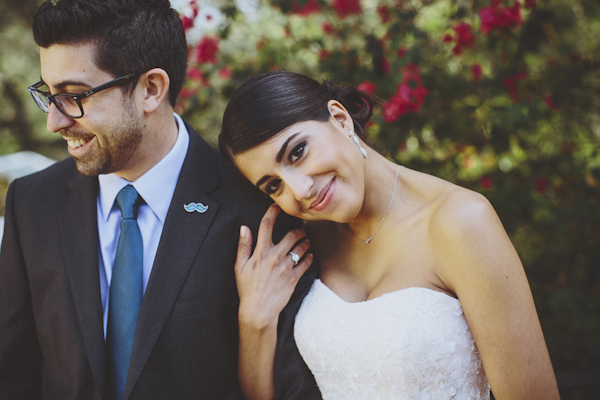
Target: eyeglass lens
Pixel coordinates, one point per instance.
(66, 104)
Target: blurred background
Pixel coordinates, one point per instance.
(499, 96)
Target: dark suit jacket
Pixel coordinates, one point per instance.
(51, 332)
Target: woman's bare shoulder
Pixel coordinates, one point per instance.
(457, 210)
(448, 205)
(469, 240)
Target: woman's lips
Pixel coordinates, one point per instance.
(325, 197)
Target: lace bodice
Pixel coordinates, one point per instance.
(411, 344)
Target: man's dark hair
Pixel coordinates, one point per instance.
(130, 36)
(268, 103)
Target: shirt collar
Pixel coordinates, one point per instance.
(156, 186)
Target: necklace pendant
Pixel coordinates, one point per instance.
(368, 240)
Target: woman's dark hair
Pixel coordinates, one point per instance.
(130, 36)
(268, 103)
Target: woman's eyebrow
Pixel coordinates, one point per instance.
(284, 147)
(262, 180)
(279, 157)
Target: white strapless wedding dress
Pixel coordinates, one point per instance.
(411, 344)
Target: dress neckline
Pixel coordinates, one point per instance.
(388, 294)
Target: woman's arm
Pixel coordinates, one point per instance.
(266, 281)
(482, 267)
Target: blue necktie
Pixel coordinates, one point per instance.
(126, 293)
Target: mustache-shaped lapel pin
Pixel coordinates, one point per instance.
(199, 207)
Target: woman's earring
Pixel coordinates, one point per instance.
(355, 140)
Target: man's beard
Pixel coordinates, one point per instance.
(116, 150)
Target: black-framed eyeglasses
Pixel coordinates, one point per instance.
(69, 104)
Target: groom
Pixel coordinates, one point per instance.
(93, 306)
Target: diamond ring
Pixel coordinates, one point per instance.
(295, 257)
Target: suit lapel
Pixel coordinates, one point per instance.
(182, 237)
(79, 232)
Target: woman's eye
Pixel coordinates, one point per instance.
(297, 152)
(273, 186)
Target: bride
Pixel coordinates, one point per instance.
(421, 294)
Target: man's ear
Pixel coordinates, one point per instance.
(155, 86)
(340, 115)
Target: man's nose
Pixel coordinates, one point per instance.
(57, 121)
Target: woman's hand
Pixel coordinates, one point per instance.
(266, 280)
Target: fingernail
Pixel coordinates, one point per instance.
(243, 231)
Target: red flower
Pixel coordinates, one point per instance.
(367, 87)
(392, 110)
(411, 73)
(324, 54)
(195, 74)
(385, 66)
(477, 72)
(497, 17)
(409, 95)
(419, 93)
(310, 7)
(401, 52)
(464, 37)
(511, 84)
(186, 93)
(346, 7)
(207, 50)
(225, 73)
(486, 182)
(327, 28)
(447, 38)
(384, 13)
(188, 22)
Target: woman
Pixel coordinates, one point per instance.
(421, 293)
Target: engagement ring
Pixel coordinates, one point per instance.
(295, 258)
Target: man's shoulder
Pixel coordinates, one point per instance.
(51, 179)
(232, 191)
(210, 158)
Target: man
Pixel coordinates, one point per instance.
(116, 268)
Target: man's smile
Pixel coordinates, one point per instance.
(77, 143)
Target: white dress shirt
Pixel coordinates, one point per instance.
(156, 187)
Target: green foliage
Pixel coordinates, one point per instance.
(22, 125)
